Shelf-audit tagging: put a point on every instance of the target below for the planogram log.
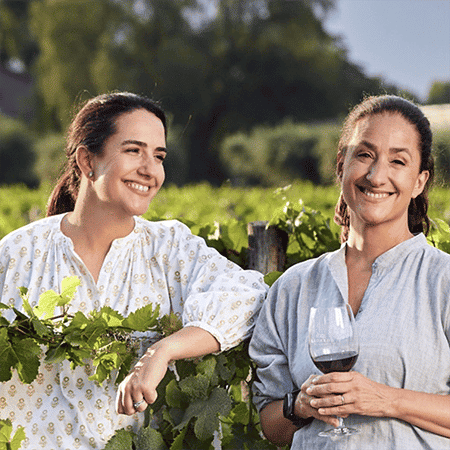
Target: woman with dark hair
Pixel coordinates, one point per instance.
(116, 147)
(397, 286)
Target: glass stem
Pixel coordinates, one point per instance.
(341, 422)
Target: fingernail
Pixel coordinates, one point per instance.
(315, 380)
(308, 391)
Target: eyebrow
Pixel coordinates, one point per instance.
(142, 144)
(394, 149)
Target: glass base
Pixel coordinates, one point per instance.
(339, 432)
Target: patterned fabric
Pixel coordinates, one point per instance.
(404, 328)
(159, 262)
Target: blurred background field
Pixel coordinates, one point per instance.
(203, 204)
(255, 90)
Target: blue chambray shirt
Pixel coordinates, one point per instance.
(403, 325)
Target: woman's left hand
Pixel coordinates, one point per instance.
(138, 389)
(344, 393)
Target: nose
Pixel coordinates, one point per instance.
(147, 166)
(378, 173)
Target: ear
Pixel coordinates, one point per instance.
(420, 183)
(84, 160)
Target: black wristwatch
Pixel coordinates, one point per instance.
(288, 410)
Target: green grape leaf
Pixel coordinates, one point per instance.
(6, 442)
(207, 366)
(68, 288)
(143, 319)
(49, 300)
(8, 359)
(93, 331)
(149, 438)
(3, 306)
(55, 355)
(27, 352)
(207, 413)
(74, 332)
(177, 443)
(240, 413)
(40, 329)
(122, 440)
(111, 357)
(170, 323)
(174, 396)
(195, 387)
(25, 303)
(111, 317)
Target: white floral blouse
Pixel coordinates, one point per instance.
(158, 262)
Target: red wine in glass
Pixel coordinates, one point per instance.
(334, 347)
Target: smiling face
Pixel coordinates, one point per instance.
(129, 172)
(380, 171)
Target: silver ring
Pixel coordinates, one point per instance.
(342, 399)
(137, 404)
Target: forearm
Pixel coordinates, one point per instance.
(430, 412)
(275, 427)
(189, 342)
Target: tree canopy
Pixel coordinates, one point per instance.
(218, 66)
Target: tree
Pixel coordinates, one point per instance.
(439, 93)
(250, 62)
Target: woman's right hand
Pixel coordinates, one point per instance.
(303, 406)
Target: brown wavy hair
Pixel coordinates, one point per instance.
(94, 123)
(418, 220)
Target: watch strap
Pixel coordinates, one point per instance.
(288, 410)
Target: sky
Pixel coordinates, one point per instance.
(406, 42)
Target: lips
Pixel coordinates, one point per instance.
(137, 186)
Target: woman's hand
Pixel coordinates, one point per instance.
(304, 408)
(139, 387)
(343, 393)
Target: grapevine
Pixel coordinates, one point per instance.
(196, 399)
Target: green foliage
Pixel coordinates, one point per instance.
(287, 152)
(199, 396)
(50, 157)
(103, 335)
(439, 93)
(253, 62)
(441, 148)
(19, 206)
(310, 233)
(16, 154)
(194, 398)
(8, 442)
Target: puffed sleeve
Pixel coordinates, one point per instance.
(268, 348)
(214, 293)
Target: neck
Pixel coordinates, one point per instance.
(95, 225)
(369, 242)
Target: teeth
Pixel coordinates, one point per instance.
(375, 195)
(139, 187)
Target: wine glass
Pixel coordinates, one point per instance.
(334, 347)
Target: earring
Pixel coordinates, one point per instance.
(90, 174)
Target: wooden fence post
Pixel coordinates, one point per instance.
(266, 247)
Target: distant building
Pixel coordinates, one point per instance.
(16, 94)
